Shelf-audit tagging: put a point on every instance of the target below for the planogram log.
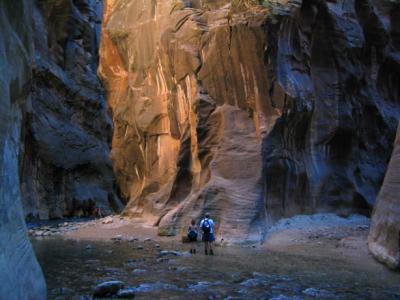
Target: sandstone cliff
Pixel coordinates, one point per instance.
(384, 236)
(338, 64)
(66, 169)
(20, 275)
(189, 93)
(249, 113)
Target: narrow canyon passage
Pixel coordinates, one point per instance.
(123, 121)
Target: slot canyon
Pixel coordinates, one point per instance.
(124, 120)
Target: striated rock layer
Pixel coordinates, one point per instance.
(189, 93)
(384, 236)
(66, 169)
(20, 275)
(338, 63)
(249, 113)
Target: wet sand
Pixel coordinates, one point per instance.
(321, 236)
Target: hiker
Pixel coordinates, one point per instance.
(96, 212)
(192, 236)
(207, 226)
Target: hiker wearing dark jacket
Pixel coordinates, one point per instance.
(192, 236)
(207, 226)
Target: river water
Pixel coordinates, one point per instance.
(73, 268)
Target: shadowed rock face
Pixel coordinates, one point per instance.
(384, 236)
(339, 66)
(66, 169)
(20, 274)
(249, 114)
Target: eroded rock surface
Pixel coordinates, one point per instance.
(384, 236)
(188, 88)
(338, 64)
(20, 275)
(251, 114)
(66, 170)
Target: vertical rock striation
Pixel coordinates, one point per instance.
(338, 63)
(188, 88)
(252, 114)
(384, 236)
(20, 274)
(66, 169)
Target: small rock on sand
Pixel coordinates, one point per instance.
(39, 233)
(117, 238)
(108, 220)
(107, 289)
(170, 252)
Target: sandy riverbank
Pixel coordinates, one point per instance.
(320, 235)
(323, 236)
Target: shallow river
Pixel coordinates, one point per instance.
(73, 268)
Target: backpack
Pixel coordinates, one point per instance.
(206, 227)
(192, 235)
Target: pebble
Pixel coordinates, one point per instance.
(138, 271)
(117, 238)
(39, 233)
(127, 293)
(170, 252)
(316, 293)
(108, 220)
(107, 289)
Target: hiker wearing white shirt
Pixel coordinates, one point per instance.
(207, 226)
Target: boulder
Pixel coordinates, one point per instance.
(384, 235)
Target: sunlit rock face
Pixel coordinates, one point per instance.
(189, 92)
(20, 275)
(338, 62)
(384, 236)
(66, 169)
(250, 114)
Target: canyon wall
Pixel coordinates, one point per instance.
(65, 169)
(189, 92)
(251, 114)
(384, 236)
(20, 275)
(338, 63)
